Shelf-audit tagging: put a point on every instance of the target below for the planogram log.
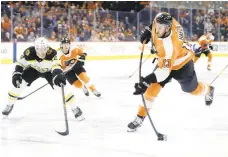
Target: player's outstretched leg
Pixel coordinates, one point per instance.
(70, 101)
(85, 90)
(135, 124)
(204, 89)
(209, 97)
(150, 94)
(79, 84)
(7, 110)
(13, 94)
(88, 83)
(78, 114)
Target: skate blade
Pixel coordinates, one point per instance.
(80, 118)
(86, 94)
(4, 116)
(131, 130)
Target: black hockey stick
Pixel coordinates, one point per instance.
(65, 114)
(138, 67)
(219, 74)
(160, 136)
(21, 98)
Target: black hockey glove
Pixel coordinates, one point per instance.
(17, 79)
(153, 50)
(59, 80)
(210, 47)
(81, 61)
(17, 76)
(141, 87)
(146, 34)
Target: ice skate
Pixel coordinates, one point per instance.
(7, 111)
(134, 125)
(96, 93)
(85, 91)
(210, 96)
(78, 114)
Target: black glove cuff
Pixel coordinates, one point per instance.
(56, 72)
(19, 69)
(151, 78)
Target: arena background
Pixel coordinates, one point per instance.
(106, 30)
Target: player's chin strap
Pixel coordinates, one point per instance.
(160, 136)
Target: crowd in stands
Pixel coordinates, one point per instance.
(106, 21)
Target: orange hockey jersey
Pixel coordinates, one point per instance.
(69, 60)
(173, 52)
(204, 41)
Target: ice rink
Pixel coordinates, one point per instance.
(193, 129)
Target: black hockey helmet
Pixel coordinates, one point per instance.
(65, 40)
(164, 18)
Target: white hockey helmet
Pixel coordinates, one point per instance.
(41, 47)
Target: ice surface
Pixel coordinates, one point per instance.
(193, 129)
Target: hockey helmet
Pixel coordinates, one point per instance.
(164, 18)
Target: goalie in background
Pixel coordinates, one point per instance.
(39, 61)
(204, 47)
(72, 62)
(174, 61)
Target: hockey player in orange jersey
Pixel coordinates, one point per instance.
(205, 48)
(72, 63)
(174, 61)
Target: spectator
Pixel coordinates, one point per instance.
(19, 31)
(208, 25)
(81, 38)
(31, 37)
(6, 24)
(222, 38)
(53, 36)
(6, 37)
(55, 18)
(59, 37)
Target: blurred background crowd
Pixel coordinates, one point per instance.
(107, 21)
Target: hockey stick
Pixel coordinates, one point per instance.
(219, 74)
(160, 136)
(21, 98)
(138, 67)
(65, 114)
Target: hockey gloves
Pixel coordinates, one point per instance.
(146, 34)
(210, 47)
(17, 79)
(141, 87)
(81, 61)
(17, 76)
(59, 80)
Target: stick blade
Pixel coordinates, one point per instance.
(65, 133)
(20, 98)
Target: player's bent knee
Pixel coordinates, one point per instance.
(84, 77)
(201, 89)
(77, 84)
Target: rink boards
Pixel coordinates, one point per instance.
(97, 50)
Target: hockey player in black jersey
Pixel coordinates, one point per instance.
(39, 61)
